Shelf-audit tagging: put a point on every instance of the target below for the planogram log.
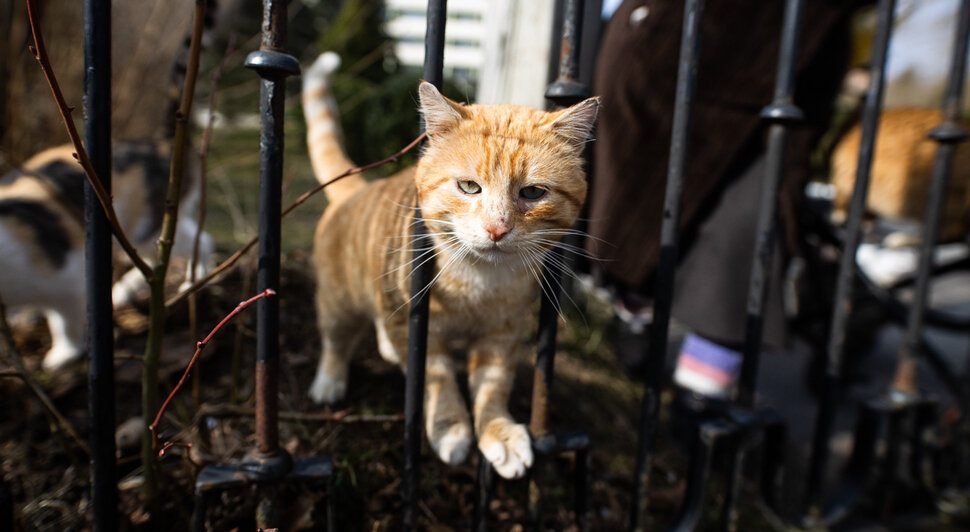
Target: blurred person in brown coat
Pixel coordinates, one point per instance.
(636, 77)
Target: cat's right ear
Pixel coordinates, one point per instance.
(440, 113)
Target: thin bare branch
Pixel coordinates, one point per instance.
(203, 186)
(40, 53)
(204, 151)
(342, 416)
(198, 349)
(166, 239)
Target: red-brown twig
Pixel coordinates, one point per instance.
(170, 444)
(198, 349)
(40, 53)
(229, 262)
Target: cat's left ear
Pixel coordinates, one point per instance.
(574, 124)
(440, 113)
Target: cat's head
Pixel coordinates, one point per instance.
(503, 182)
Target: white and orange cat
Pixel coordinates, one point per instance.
(497, 186)
(42, 234)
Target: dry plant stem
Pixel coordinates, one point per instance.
(40, 53)
(10, 351)
(200, 215)
(194, 332)
(229, 262)
(343, 416)
(204, 150)
(156, 309)
(195, 356)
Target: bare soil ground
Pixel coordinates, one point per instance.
(48, 476)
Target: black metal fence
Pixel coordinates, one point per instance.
(895, 440)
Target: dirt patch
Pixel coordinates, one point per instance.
(48, 477)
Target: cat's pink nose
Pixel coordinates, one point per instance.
(496, 230)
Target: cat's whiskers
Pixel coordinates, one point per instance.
(411, 238)
(568, 248)
(571, 232)
(425, 254)
(547, 260)
(531, 260)
(456, 257)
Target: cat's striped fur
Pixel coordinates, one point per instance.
(497, 186)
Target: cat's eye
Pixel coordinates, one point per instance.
(468, 186)
(532, 193)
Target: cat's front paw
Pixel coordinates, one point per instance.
(327, 389)
(507, 446)
(452, 443)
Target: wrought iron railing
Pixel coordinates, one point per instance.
(900, 421)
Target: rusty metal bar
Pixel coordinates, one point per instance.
(847, 267)
(270, 464)
(567, 89)
(546, 352)
(542, 380)
(434, 52)
(273, 67)
(663, 298)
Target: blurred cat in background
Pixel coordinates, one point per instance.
(42, 234)
(42, 202)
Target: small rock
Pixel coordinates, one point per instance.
(128, 435)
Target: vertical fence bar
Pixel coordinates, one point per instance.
(271, 102)
(97, 265)
(947, 135)
(710, 436)
(542, 379)
(780, 114)
(564, 91)
(663, 295)
(825, 417)
(567, 90)
(545, 353)
(434, 53)
(273, 66)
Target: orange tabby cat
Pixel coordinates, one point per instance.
(497, 185)
(900, 177)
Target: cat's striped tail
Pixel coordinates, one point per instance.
(323, 135)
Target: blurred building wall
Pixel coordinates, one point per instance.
(499, 46)
(517, 47)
